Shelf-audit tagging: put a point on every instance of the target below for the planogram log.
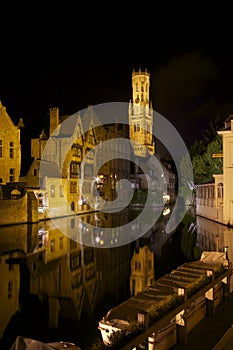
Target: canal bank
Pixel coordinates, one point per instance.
(213, 332)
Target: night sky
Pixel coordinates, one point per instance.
(191, 79)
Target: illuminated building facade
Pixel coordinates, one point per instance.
(142, 269)
(215, 200)
(10, 148)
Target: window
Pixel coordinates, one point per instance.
(61, 240)
(11, 149)
(1, 149)
(88, 255)
(61, 191)
(75, 260)
(88, 170)
(136, 127)
(76, 151)
(73, 187)
(52, 245)
(10, 287)
(12, 174)
(220, 190)
(74, 169)
(72, 221)
(52, 190)
(137, 266)
(40, 200)
(34, 172)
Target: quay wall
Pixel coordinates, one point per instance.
(18, 211)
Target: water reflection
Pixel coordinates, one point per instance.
(214, 236)
(56, 287)
(48, 279)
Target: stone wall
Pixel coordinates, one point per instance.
(16, 211)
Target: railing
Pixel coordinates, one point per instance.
(164, 321)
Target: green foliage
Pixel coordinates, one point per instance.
(122, 337)
(139, 197)
(160, 309)
(157, 311)
(204, 165)
(197, 251)
(186, 176)
(195, 286)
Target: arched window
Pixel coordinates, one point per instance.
(220, 190)
(15, 194)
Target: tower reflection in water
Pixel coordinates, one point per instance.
(55, 288)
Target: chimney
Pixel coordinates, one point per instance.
(54, 119)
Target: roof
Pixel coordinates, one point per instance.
(49, 169)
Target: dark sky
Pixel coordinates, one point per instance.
(191, 79)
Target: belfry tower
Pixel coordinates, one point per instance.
(141, 114)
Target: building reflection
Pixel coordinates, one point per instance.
(142, 269)
(214, 236)
(68, 278)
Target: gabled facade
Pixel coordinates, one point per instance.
(10, 148)
(142, 269)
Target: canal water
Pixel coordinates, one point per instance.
(54, 287)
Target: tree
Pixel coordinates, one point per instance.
(204, 165)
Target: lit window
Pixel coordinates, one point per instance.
(74, 169)
(52, 190)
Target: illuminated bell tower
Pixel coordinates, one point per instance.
(141, 114)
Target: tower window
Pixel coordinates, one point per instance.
(0, 148)
(74, 169)
(136, 127)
